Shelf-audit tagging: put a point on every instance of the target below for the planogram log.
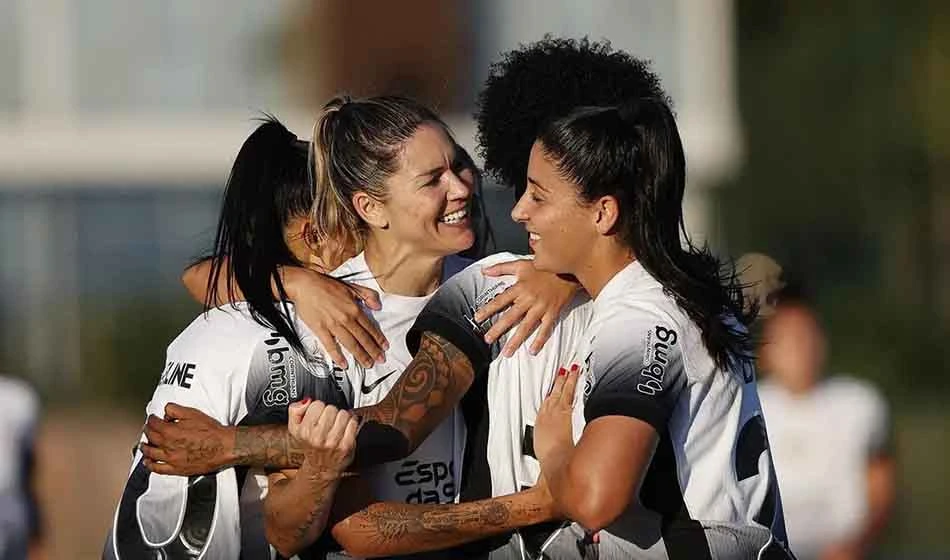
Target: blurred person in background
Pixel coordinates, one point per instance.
(20, 525)
(831, 437)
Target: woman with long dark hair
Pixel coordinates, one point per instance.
(666, 453)
(241, 364)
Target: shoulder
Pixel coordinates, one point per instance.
(222, 338)
(855, 394)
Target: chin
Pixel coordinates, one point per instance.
(546, 262)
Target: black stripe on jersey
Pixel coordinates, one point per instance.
(459, 335)
(195, 532)
(683, 537)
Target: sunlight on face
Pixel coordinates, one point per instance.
(559, 226)
(428, 198)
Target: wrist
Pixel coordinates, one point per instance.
(318, 472)
(232, 454)
(553, 459)
(541, 498)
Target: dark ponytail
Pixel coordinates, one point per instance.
(268, 186)
(634, 153)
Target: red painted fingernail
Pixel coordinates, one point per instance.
(306, 401)
(575, 367)
(561, 372)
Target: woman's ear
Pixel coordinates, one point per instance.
(370, 210)
(606, 214)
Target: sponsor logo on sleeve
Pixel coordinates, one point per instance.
(656, 358)
(282, 386)
(178, 373)
(481, 301)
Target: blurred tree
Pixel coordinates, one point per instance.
(846, 175)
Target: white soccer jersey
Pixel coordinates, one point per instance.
(430, 474)
(709, 492)
(238, 372)
(822, 442)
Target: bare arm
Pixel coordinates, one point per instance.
(425, 395)
(391, 528)
(328, 306)
(594, 482)
(881, 496)
(196, 277)
(298, 502)
(188, 442)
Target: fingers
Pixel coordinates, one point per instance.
(367, 342)
(321, 431)
(570, 385)
(374, 331)
(337, 429)
(510, 268)
(497, 305)
(153, 453)
(565, 383)
(310, 419)
(295, 414)
(159, 468)
(548, 322)
(155, 429)
(329, 344)
(176, 411)
(555, 391)
(368, 296)
(352, 428)
(356, 349)
(527, 326)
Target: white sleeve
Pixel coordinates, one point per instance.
(170, 515)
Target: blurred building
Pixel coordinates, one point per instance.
(119, 120)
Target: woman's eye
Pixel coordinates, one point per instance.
(536, 198)
(433, 181)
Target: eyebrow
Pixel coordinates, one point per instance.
(441, 167)
(537, 184)
(438, 169)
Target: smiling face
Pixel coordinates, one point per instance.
(428, 197)
(561, 228)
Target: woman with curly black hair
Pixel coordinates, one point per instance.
(545, 80)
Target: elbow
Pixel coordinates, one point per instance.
(354, 545)
(593, 505)
(285, 549)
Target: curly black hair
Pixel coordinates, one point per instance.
(542, 81)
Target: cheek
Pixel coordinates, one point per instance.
(415, 212)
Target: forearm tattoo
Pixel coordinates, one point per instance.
(316, 496)
(403, 528)
(269, 447)
(433, 383)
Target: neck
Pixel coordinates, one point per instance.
(401, 271)
(606, 259)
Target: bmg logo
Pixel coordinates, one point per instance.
(435, 481)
